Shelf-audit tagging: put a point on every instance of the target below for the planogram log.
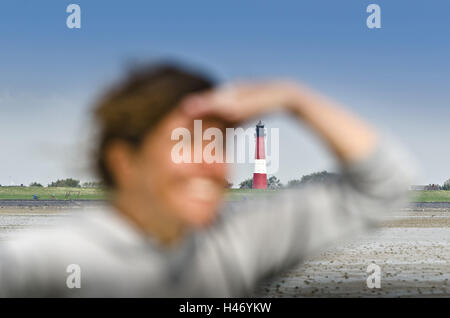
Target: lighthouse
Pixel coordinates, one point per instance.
(260, 172)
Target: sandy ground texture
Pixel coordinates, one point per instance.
(412, 249)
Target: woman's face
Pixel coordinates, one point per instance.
(189, 192)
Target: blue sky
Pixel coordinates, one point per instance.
(397, 76)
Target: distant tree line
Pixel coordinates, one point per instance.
(320, 178)
(432, 187)
(274, 183)
(446, 185)
(313, 178)
(70, 183)
(93, 184)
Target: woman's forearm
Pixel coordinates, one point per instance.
(350, 138)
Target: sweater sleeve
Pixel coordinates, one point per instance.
(261, 237)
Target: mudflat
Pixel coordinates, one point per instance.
(412, 249)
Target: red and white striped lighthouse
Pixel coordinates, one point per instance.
(260, 172)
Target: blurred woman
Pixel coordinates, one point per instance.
(167, 231)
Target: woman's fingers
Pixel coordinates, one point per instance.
(195, 105)
(219, 103)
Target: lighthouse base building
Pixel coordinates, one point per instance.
(259, 180)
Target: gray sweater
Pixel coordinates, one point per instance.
(251, 240)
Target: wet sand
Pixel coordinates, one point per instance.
(412, 249)
(15, 220)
